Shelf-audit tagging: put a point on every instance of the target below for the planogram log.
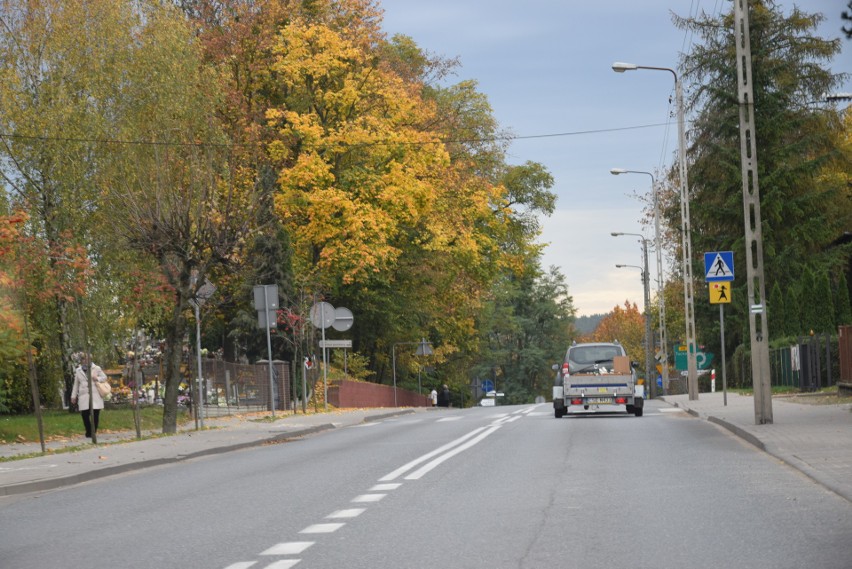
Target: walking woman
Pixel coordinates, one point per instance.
(80, 394)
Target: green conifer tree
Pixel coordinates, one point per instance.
(824, 305)
(842, 305)
(777, 313)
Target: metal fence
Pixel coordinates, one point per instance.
(809, 365)
(246, 385)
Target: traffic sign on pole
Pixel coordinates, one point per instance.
(719, 266)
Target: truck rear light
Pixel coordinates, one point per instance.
(576, 401)
(621, 400)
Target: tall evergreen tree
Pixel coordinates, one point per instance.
(801, 212)
(808, 301)
(824, 313)
(842, 305)
(777, 313)
(793, 311)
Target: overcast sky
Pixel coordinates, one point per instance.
(545, 66)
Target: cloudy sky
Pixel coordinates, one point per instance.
(545, 66)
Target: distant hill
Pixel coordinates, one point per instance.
(588, 324)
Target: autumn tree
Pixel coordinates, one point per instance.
(627, 326)
(61, 67)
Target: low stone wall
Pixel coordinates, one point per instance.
(356, 394)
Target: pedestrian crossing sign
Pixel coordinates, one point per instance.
(720, 293)
(719, 266)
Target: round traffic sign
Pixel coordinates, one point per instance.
(343, 319)
(322, 315)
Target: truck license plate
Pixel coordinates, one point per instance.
(600, 400)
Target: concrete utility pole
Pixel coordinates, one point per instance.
(759, 331)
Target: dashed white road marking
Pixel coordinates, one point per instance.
(288, 548)
(363, 498)
(350, 513)
(445, 419)
(671, 410)
(323, 528)
(241, 565)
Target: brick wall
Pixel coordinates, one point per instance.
(348, 394)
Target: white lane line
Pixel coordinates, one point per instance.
(363, 498)
(283, 564)
(671, 410)
(385, 487)
(241, 565)
(323, 528)
(417, 474)
(350, 513)
(406, 467)
(365, 425)
(445, 419)
(288, 548)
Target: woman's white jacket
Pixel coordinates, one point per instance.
(81, 388)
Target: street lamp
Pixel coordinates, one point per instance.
(650, 376)
(661, 300)
(688, 292)
(424, 348)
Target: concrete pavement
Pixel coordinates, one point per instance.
(815, 439)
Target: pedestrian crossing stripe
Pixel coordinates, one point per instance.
(717, 267)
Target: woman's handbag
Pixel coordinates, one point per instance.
(104, 388)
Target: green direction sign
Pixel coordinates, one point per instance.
(702, 359)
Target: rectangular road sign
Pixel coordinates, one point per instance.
(719, 266)
(720, 293)
(335, 344)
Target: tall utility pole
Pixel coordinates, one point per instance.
(759, 331)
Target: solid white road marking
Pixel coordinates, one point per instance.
(350, 513)
(283, 564)
(416, 475)
(368, 498)
(671, 410)
(323, 528)
(385, 487)
(406, 467)
(288, 548)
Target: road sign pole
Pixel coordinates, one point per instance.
(722, 331)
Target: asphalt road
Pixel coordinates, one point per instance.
(506, 487)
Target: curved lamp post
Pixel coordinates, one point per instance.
(650, 376)
(661, 300)
(688, 291)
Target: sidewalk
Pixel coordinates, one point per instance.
(116, 453)
(815, 439)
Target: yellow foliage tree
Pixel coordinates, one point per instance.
(625, 324)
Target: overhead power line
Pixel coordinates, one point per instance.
(505, 138)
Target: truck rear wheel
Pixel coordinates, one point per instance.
(558, 412)
(638, 411)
